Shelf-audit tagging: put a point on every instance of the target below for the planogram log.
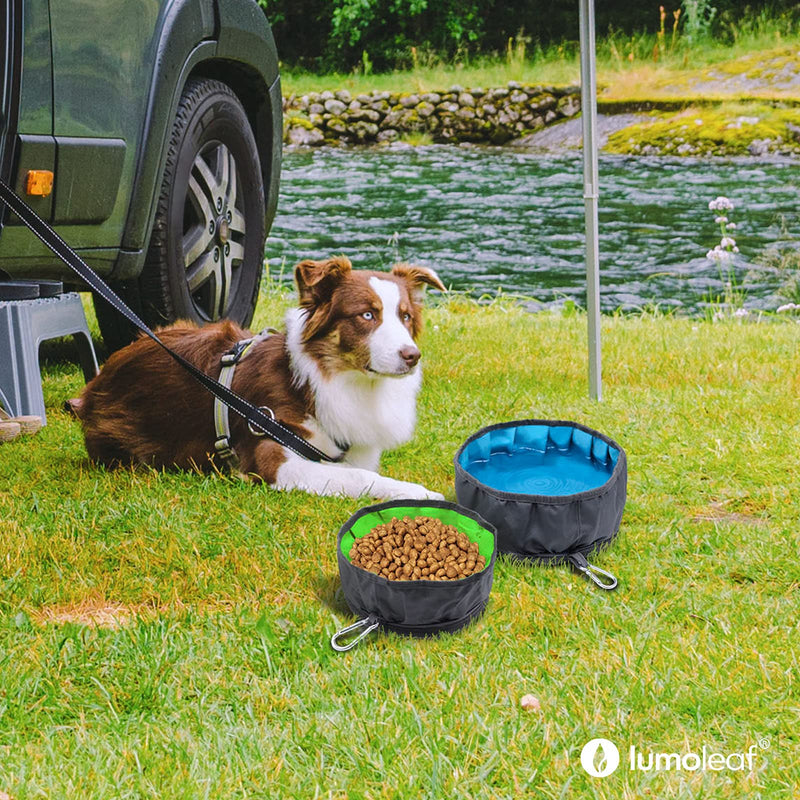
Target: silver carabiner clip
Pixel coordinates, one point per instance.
(578, 560)
(368, 623)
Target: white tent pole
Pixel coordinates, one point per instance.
(590, 192)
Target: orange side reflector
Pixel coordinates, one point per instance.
(40, 182)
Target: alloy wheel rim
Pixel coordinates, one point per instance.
(212, 243)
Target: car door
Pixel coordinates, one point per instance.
(27, 103)
(83, 72)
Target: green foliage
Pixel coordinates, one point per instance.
(332, 35)
(698, 16)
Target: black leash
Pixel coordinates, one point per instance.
(256, 417)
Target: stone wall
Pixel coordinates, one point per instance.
(491, 116)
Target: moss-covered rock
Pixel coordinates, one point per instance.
(727, 129)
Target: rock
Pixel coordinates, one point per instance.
(409, 100)
(343, 95)
(300, 136)
(326, 95)
(759, 147)
(466, 99)
(488, 108)
(465, 113)
(456, 89)
(365, 115)
(425, 109)
(335, 107)
(540, 102)
(316, 108)
(394, 119)
(514, 85)
(478, 91)
(316, 120)
(364, 98)
(388, 135)
(431, 97)
(569, 106)
(336, 125)
(519, 97)
(364, 131)
(530, 703)
(449, 108)
(354, 105)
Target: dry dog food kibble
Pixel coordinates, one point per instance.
(416, 549)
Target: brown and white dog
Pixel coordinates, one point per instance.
(345, 376)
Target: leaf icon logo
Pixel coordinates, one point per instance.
(599, 757)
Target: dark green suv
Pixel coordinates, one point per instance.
(160, 121)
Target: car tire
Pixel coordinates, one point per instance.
(206, 253)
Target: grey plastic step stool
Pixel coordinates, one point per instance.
(24, 325)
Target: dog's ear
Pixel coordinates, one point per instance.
(417, 276)
(316, 279)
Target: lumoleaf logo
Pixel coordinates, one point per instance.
(599, 757)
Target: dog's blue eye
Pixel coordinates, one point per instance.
(406, 317)
(368, 315)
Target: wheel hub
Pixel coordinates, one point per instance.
(223, 230)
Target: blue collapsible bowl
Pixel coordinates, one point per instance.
(554, 490)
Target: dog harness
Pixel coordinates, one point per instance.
(222, 428)
(222, 443)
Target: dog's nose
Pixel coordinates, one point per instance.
(410, 355)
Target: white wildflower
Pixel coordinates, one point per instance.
(727, 243)
(731, 225)
(721, 220)
(788, 307)
(741, 312)
(720, 204)
(718, 254)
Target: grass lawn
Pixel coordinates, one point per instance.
(640, 69)
(165, 635)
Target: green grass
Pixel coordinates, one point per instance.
(217, 679)
(642, 67)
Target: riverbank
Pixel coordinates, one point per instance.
(745, 105)
(166, 633)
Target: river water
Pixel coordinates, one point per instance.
(500, 219)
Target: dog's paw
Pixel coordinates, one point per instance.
(414, 491)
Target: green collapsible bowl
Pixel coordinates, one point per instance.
(413, 607)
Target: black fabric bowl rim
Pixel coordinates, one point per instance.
(543, 499)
